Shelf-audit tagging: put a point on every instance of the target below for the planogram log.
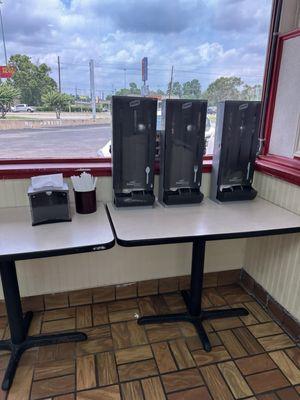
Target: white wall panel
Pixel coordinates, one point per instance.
(274, 261)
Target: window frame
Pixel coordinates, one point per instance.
(284, 168)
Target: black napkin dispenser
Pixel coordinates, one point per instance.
(49, 205)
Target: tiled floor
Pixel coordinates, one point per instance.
(252, 358)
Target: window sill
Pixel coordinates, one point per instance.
(27, 169)
(280, 167)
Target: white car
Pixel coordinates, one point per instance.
(22, 108)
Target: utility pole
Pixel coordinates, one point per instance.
(92, 88)
(125, 84)
(171, 82)
(3, 37)
(59, 80)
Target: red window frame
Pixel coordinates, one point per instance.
(281, 167)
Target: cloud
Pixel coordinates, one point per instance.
(202, 39)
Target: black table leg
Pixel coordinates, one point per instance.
(192, 298)
(19, 325)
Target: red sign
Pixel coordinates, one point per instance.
(7, 71)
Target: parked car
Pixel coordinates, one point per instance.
(22, 108)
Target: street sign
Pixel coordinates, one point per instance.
(145, 69)
(7, 71)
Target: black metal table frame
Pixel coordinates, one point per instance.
(18, 323)
(195, 314)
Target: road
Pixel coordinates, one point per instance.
(61, 142)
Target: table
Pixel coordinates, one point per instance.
(19, 240)
(198, 224)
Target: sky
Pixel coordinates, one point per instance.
(202, 39)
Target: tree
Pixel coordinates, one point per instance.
(133, 90)
(7, 95)
(56, 101)
(176, 89)
(223, 89)
(32, 80)
(251, 92)
(191, 89)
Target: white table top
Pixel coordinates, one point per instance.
(208, 220)
(20, 240)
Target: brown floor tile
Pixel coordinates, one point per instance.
(33, 303)
(61, 313)
(132, 354)
(52, 369)
(175, 302)
(85, 372)
(137, 334)
(161, 332)
(65, 351)
(107, 370)
(229, 277)
(294, 354)
(266, 329)
(163, 357)
(226, 323)
(248, 341)
(182, 380)
(126, 291)
(153, 389)
(147, 288)
(20, 388)
(267, 381)
(258, 311)
(287, 366)
(160, 305)
(36, 324)
(288, 394)
(192, 394)
(52, 387)
(210, 279)
(247, 319)
(232, 344)
(102, 294)
(214, 297)
(56, 300)
(215, 383)
(83, 317)
(217, 354)
(107, 393)
(58, 325)
(132, 391)
(124, 315)
(255, 364)
(146, 306)
(80, 297)
(100, 314)
(120, 335)
(167, 285)
(137, 370)
(276, 342)
(185, 282)
(94, 346)
(182, 354)
(235, 380)
(122, 356)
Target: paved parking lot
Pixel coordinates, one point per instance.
(61, 142)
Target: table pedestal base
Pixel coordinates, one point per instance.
(19, 325)
(195, 320)
(192, 298)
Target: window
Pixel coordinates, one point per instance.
(212, 50)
